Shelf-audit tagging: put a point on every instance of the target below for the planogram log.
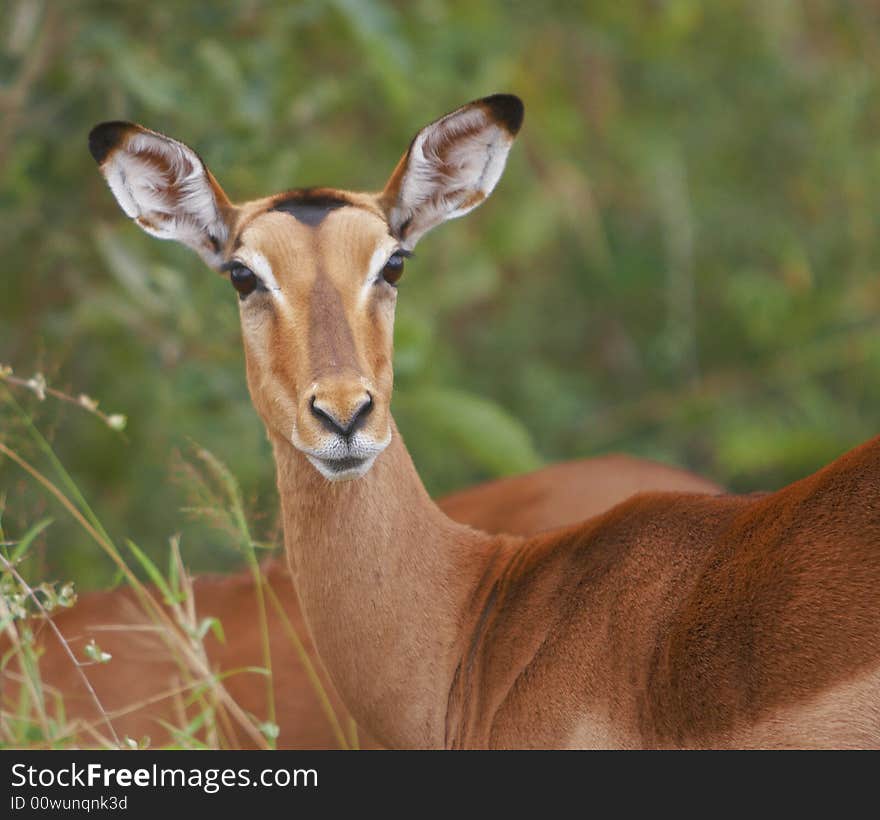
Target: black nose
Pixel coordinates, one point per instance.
(343, 427)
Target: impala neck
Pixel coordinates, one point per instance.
(384, 579)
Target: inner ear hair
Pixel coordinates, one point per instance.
(164, 186)
(451, 166)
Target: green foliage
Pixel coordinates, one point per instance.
(680, 262)
(479, 430)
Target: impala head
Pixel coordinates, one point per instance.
(315, 270)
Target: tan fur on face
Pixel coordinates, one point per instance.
(327, 332)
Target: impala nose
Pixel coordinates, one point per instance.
(340, 421)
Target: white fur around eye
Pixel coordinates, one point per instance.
(260, 266)
(377, 262)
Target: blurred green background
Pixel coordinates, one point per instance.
(681, 261)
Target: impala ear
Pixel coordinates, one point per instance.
(163, 186)
(451, 166)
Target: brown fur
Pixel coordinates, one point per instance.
(143, 669)
(735, 610)
(670, 621)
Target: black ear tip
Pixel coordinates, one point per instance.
(105, 137)
(508, 109)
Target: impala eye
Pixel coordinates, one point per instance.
(393, 269)
(244, 280)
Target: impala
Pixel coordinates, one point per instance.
(673, 620)
(146, 684)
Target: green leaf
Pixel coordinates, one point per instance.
(152, 571)
(214, 625)
(27, 539)
(483, 430)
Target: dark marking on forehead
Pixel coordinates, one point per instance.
(310, 207)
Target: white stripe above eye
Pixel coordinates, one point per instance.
(377, 262)
(260, 266)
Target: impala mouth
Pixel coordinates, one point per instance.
(342, 469)
(342, 459)
(340, 465)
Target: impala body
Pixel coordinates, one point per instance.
(147, 684)
(672, 620)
